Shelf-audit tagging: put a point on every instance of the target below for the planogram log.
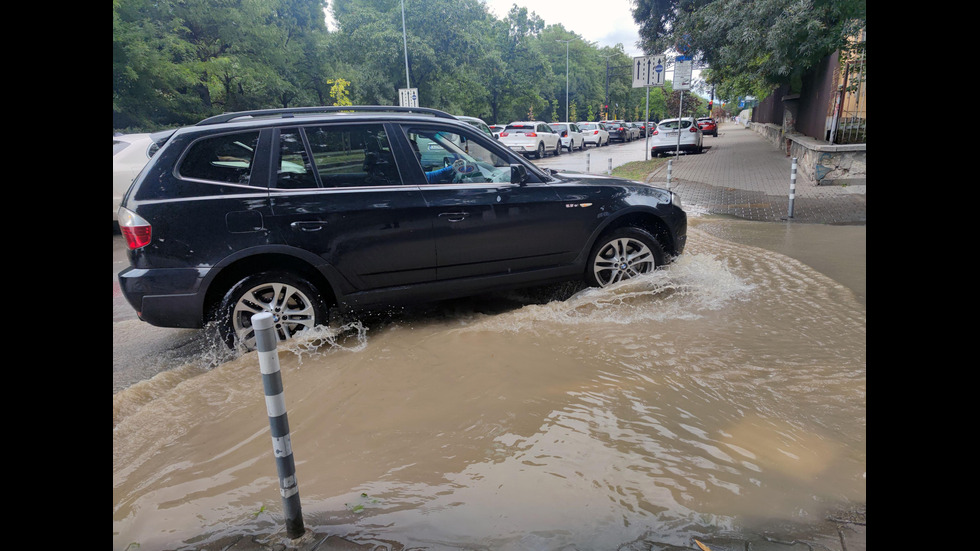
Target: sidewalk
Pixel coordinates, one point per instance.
(743, 175)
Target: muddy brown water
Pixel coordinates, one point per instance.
(723, 393)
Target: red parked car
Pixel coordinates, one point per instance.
(708, 126)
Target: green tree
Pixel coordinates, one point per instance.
(751, 46)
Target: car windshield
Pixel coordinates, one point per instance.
(672, 125)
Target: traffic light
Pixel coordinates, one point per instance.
(710, 104)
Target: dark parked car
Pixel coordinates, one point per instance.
(619, 130)
(297, 211)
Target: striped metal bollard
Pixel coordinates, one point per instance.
(275, 403)
(792, 187)
(588, 162)
(609, 171)
(670, 166)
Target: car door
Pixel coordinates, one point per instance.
(552, 139)
(339, 194)
(484, 224)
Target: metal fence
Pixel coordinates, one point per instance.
(850, 123)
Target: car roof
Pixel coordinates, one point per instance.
(335, 110)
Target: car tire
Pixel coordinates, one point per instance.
(557, 149)
(540, 152)
(623, 254)
(294, 301)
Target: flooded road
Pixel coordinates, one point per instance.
(725, 393)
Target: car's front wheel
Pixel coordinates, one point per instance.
(623, 254)
(293, 301)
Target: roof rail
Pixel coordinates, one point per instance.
(293, 111)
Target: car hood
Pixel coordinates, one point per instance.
(611, 182)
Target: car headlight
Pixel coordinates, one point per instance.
(675, 200)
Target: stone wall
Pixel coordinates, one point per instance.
(817, 161)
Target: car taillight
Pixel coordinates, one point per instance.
(134, 228)
(531, 134)
(595, 132)
(694, 129)
(655, 131)
(504, 133)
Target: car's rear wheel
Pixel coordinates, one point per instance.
(623, 254)
(540, 153)
(558, 149)
(292, 300)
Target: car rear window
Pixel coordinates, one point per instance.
(672, 125)
(559, 127)
(520, 127)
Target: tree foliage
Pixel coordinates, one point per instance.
(176, 62)
(750, 46)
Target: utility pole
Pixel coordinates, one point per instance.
(606, 104)
(408, 83)
(567, 117)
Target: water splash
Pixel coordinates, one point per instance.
(686, 289)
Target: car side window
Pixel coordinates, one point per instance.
(354, 155)
(447, 156)
(295, 170)
(226, 159)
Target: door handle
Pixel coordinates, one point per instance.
(307, 226)
(454, 216)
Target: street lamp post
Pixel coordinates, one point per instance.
(567, 117)
(408, 83)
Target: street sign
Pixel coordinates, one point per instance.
(648, 71)
(408, 97)
(682, 73)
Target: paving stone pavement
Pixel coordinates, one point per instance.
(743, 175)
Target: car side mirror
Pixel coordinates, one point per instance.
(518, 174)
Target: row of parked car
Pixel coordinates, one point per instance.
(538, 138)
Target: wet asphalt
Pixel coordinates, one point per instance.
(739, 174)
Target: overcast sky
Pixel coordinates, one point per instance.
(604, 22)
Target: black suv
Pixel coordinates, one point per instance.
(295, 211)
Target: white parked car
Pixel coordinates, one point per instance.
(571, 136)
(594, 133)
(130, 153)
(664, 138)
(477, 122)
(531, 138)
